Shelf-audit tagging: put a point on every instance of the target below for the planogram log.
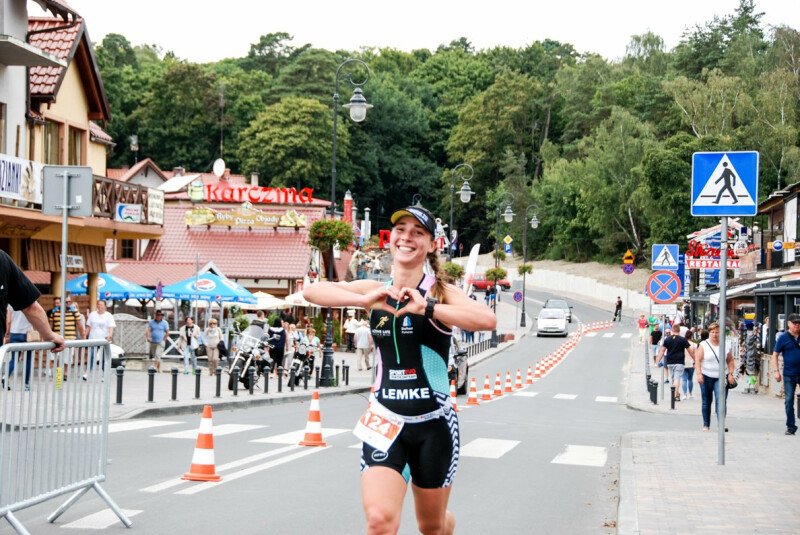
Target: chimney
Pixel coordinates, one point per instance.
(254, 179)
(178, 171)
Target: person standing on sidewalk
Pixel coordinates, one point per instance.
(212, 336)
(363, 341)
(73, 328)
(655, 340)
(788, 345)
(642, 324)
(101, 327)
(675, 347)
(687, 380)
(708, 363)
(188, 340)
(156, 335)
(350, 326)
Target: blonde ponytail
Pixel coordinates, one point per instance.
(438, 289)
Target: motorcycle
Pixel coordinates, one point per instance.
(251, 349)
(302, 362)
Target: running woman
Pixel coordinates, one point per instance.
(410, 431)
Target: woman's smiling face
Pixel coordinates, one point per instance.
(410, 240)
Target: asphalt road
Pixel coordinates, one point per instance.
(545, 460)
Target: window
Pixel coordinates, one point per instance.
(127, 249)
(2, 127)
(75, 149)
(52, 143)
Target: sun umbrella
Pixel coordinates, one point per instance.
(109, 287)
(208, 287)
(296, 299)
(265, 302)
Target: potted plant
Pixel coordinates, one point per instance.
(325, 233)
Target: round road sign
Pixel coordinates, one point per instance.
(517, 296)
(628, 268)
(663, 287)
(777, 245)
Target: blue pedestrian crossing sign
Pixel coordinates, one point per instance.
(665, 256)
(725, 183)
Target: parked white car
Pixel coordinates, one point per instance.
(551, 321)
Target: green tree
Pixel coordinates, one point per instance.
(290, 144)
(271, 53)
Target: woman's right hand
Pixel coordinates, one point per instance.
(699, 378)
(376, 299)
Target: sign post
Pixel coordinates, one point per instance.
(724, 184)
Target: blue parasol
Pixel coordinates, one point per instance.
(208, 287)
(109, 287)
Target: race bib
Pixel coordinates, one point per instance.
(378, 428)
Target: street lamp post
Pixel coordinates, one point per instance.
(534, 222)
(416, 200)
(465, 194)
(508, 217)
(358, 112)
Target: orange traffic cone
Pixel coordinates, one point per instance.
(508, 388)
(518, 380)
(453, 397)
(498, 390)
(529, 377)
(473, 392)
(487, 390)
(313, 436)
(203, 468)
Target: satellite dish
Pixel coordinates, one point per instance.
(219, 167)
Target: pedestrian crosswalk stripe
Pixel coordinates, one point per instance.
(488, 448)
(608, 335)
(219, 430)
(582, 456)
(293, 437)
(194, 489)
(606, 399)
(565, 396)
(100, 520)
(164, 485)
(626, 335)
(526, 394)
(590, 335)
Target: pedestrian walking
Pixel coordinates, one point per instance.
(617, 310)
(363, 341)
(156, 333)
(707, 361)
(17, 330)
(212, 336)
(410, 319)
(188, 340)
(675, 348)
(687, 380)
(788, 346)
(655, 340)
(73, 329)
(101, 326)
(277, 340)
(20, 293)
(643, 328)
(350, 326)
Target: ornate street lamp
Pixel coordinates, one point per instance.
(534, 222)
(465, 194)
(358, 107)
(416, 200)
(508, 217)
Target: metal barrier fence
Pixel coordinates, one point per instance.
(53, 425)
(478, 347)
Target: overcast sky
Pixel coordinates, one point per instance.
(209, 31)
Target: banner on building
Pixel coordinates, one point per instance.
(155, 206)
(20, 179)
(244, 217)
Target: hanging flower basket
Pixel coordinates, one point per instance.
(325, 233)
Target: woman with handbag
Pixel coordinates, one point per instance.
(212, 336)
(188, 341)
(708, 363)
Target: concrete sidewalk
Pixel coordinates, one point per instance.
(670, 482)
(135, 382)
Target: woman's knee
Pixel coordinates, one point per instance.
(381, 519)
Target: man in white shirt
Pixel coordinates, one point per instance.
(17, 328)
(363, 341)
(350, 326)
(101, 327)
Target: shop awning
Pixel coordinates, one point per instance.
(738, 290)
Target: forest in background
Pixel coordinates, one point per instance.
(603, 149)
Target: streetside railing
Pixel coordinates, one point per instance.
(54, 411)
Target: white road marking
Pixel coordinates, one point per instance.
(357, 446)
(252, 470)
(293, 437)
(526, 394)
(100, 520)
(488, 448)
(222, 468)
(606, 399)
(219, 430)
(582, 456)
(118, 427)
(565, 396)
(590, 335)
(626, 335)
(608, 335)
